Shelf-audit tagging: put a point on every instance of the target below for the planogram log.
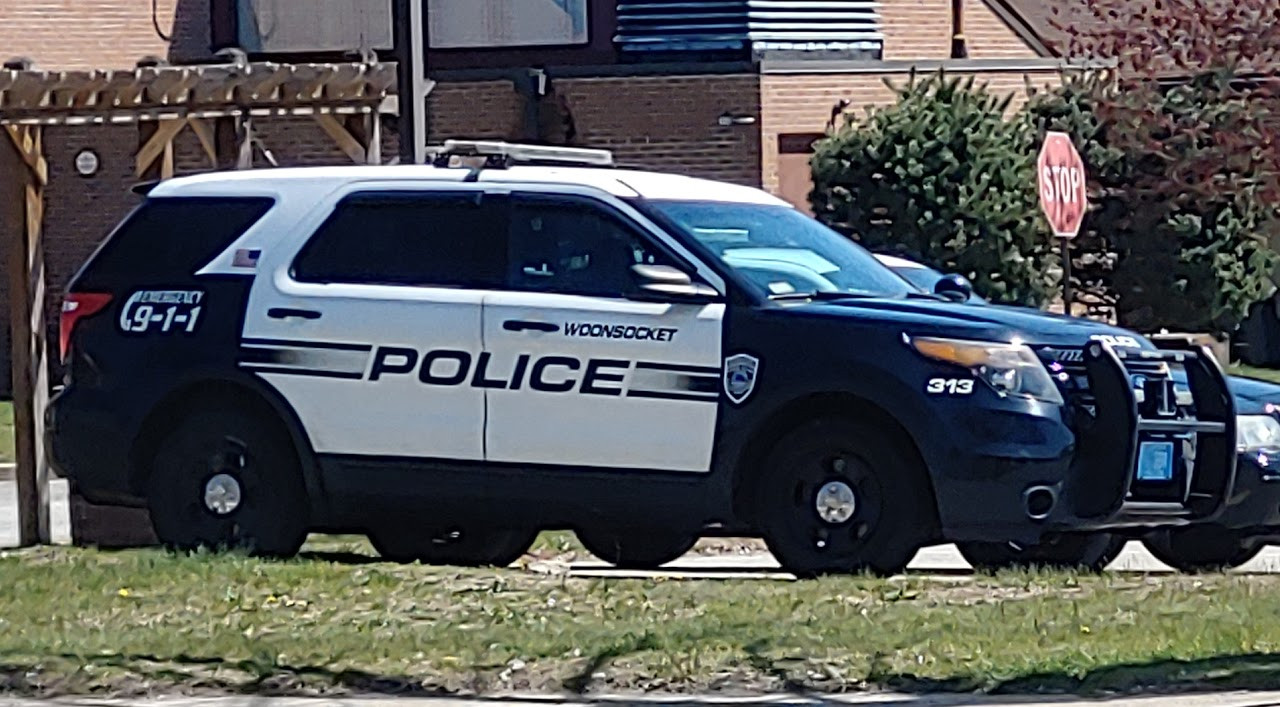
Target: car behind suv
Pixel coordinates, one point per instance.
(453, 357)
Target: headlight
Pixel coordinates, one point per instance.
(1257, 432)
(1010, 369)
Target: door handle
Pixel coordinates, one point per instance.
(287, 313)
(519, 325)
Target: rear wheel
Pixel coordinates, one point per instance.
(1090, 552)
(407, 542)
(840, 496)
(636, 549)
(1202, 548)
(227, 478)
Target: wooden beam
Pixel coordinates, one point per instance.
(21, 223)
(166, 162)
(344, 139)
(155, 146)
(207, 141)
(373, 138)
(27, 142)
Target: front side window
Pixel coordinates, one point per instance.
(783, 251)
(441, 240)
(571, 246)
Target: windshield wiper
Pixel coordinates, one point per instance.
(928, 296)
(824, 296)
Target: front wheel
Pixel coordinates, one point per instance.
(228, 479)
(841, 496)
(636, 549)
(1089, 552)
(1202, 548)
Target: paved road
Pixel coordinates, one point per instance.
(1226, 699)
(942, 558)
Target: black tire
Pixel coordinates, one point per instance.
(890, 517)
(410, 542)
(636, 549)
(1199, 549)
(196, 458)
(1088, 552)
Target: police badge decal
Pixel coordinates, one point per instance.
(740, 377)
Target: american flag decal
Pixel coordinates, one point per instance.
(246, 258)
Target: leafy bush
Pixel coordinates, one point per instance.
(943, 178)
(1182, 140)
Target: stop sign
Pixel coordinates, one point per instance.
(1061, 175)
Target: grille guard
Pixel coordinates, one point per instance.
(1110, 440)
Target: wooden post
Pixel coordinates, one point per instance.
(373, 136)
(23, 176)
(244, 159)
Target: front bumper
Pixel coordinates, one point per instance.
(1038, 475)
(1255, 499)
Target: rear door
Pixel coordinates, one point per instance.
(581, 374)
(370, 327)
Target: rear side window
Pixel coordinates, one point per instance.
(168, 239)
(440, 240)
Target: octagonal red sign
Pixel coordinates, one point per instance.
(1063, 193)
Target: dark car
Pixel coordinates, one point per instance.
(1252, 517)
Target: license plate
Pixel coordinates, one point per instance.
(1155, 461)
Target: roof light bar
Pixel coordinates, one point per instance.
(506, 154)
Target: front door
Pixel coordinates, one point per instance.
(369, 328)
(580, 375)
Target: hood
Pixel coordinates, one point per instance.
(993, 322)
(1252, 395)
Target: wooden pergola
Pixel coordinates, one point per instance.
(345, 99)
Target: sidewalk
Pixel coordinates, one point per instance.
(9, 509)
(1227, 699)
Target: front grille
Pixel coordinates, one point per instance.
(1157, 396)
(1068, 371)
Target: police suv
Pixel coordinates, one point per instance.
(450, 358)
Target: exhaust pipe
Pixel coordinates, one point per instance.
(1039, 501)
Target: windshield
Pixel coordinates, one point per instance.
(782, 250)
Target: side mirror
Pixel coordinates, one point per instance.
(956, 288)
(666, 282)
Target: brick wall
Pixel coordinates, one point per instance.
(921, 29)
(666, 123)
(474, 109)
(988, 37)
(671, 123)
(917, 29)
(102, 34)
(803, 103)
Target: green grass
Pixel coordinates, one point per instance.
(6, 432)
(1267, 374)
(82, 621)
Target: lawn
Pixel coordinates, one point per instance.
(81, 621)
(1267, 374)
(6, 432)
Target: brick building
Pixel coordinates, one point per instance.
(662, 90)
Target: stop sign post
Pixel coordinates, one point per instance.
(1061, 176)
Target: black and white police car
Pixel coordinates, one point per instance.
(452, 357)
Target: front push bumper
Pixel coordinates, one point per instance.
(1077, 468)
